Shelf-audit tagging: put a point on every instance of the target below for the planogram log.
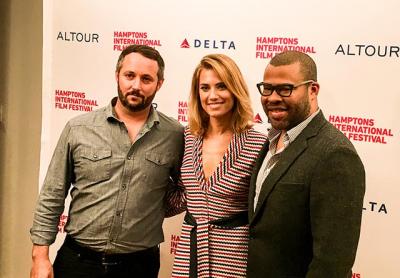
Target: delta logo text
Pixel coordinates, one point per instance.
(183, 112)
(268, 47)
(369, 50)
(209, 44)
(361, 129)
(174, 244)
(375, 207)
(78, 37)
(71, 100)
(122, 39)
(356, 275)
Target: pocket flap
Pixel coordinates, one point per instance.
(96, 154)
(157, 158)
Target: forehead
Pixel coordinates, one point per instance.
(283, 74)
(136, 62)
(208, 75)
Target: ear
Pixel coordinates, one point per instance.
(314, 89)
(159, 84)
(116, 76)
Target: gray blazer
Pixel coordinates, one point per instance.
(308, 216)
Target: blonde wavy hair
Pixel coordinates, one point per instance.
(229, 73)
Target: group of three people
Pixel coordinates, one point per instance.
(285, 204)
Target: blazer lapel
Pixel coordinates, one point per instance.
(279, 169)
(288, 157)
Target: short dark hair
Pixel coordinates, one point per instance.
(147, 52)
(308, 68)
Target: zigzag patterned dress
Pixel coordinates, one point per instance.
(221, 248)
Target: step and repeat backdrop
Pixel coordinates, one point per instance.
(355, 44)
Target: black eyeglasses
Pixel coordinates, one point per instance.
(284, 90)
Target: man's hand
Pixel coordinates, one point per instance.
(41, 265)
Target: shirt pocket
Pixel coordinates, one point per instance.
(158, 167)
(93, 165)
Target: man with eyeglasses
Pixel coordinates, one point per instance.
(307, 188)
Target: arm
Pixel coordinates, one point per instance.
(175, 199)
(336, 201)
(41, 265)
(55, 188)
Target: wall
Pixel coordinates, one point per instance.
(20, 101)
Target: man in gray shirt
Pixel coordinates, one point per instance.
(120, 161)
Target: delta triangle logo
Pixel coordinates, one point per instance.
(257, 119)
(185, 44)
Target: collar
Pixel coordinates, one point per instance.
(292, 133)
(152, 119)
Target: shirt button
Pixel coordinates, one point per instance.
(118, 213)
(95, 156)
(123, 186)
(129, 157)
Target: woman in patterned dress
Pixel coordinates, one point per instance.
(220, 150)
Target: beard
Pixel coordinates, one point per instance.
(296, 113)
(135, 107)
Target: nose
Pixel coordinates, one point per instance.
(136, 83)
(213, 93)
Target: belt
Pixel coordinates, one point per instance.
(106, 259)
(236, 220)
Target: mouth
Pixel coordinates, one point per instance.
(276, 112)
(215, 104)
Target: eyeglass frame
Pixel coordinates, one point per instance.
(276, 88)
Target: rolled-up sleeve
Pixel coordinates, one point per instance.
(50, 204)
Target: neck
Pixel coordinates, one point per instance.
(216, 128)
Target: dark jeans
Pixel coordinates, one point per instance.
(71, 263)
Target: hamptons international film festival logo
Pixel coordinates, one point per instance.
(78, 37)
(268, 47)
(174, 243)
(183, 112)
(361, 129)
(122, 39)
(72, 100)
(368, 50)
(222, 44)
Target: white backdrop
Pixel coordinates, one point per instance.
(356, 45)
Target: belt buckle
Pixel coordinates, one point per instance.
(105, 263)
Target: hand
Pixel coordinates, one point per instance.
(41, 265)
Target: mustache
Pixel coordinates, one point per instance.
(135, 94)
(276, 107)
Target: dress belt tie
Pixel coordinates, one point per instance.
(236, 220)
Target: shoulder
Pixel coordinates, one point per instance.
(255, 136)
(89, 118)
(334, 138)
(170, 124)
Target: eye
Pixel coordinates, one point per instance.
(268, 89)
(204, 87)
(129, 75)
(284, 88)
(221, 86)
(147, 79)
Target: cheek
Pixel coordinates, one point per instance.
(123, 85)
(263, 100)
(203, 98)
